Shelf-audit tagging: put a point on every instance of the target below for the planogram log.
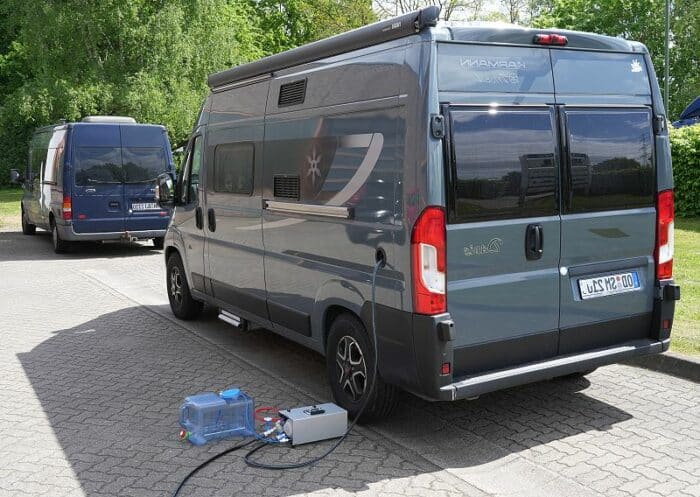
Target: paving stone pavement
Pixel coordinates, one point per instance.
(93, 367)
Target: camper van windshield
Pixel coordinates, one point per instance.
(142, 165)
(98, 165)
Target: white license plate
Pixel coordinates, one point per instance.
(145, 206)
(612, 284)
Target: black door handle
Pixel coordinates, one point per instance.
(211, 217)
(534, 242)
(198, 218)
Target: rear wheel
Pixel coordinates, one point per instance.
(181, 301)
(349, 361)
(60, 246)
(27, 227)
(158, 242)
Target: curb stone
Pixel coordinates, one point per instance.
(672, 363)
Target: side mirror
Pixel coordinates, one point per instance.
(165, 189)
(16, 177)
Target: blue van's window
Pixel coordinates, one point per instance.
(479, 68)
(233, 168)
(142, 165)
(600, 73)
(505, 164)
(95, 165)
(610, 157)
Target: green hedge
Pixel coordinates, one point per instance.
(685, 149)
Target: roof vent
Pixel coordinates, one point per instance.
(292, 93)
(286, 187)
(108, 119)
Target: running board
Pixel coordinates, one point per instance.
(473, 386)
(229, 318)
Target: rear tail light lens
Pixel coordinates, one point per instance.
(550, 39)
(664, 235)
(428, 262)
(67, 208)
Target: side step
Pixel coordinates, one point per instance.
(473, 386)
(231, 319)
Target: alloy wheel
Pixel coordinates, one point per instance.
(176, 285)
(353, 369)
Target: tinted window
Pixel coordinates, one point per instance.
(142, 165)
(493, 69)
(599, 73)
(233, 168)
(505, 164)
(610, 158)
(193, 166)
(94, 165)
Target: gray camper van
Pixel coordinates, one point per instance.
(516, 181)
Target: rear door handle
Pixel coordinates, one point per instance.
(211, 218)
(198, 218)
(534, 242)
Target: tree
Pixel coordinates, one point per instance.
(148, 59)
(464, 10)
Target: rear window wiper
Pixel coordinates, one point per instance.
(98, 182)
(141, 181)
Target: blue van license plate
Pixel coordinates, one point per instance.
(145, 206)
(612, 284)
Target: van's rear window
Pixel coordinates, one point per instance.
(482, 68)
(142, 165)
(95, 165)
(600, 73)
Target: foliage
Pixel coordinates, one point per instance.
(641, 20)
(685, 151)
(685, 336)
(148, 59)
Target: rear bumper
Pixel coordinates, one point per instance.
(413, 348)
(473, 386)
(67, 233)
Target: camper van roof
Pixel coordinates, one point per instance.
(405, 25)
(108, 119)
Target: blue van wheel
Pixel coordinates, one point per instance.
(60, 246)
(158, 243)
(27, 227)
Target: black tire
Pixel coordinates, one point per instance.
(60, 246)
(27, 227)
(181, 302)
(158, 243)
(349, 358)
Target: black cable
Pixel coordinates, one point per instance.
(380, 263)
(211, 459)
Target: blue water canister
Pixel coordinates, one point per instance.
(210, 416)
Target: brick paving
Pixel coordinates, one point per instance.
(93, 368)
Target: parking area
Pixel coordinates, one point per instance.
(93, 368)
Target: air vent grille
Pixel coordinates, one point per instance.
(292, 93)
(286, 187)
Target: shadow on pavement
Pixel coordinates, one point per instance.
(14, 246)
(111, 388)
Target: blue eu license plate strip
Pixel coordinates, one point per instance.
(611, 284)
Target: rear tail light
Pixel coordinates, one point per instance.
(664, 235)
(67, 208)
(550, 39)
(428, 262)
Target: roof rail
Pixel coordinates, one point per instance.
(108, 119)
(366, 36)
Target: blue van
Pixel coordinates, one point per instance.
(95, 180)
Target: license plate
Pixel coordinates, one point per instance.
(145, 206)
(612, 284)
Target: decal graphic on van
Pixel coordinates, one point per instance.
(636, 66)
(492, 247)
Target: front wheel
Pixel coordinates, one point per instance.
(60, 246)
(349, 361)
(181, 301)
(27, 227)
